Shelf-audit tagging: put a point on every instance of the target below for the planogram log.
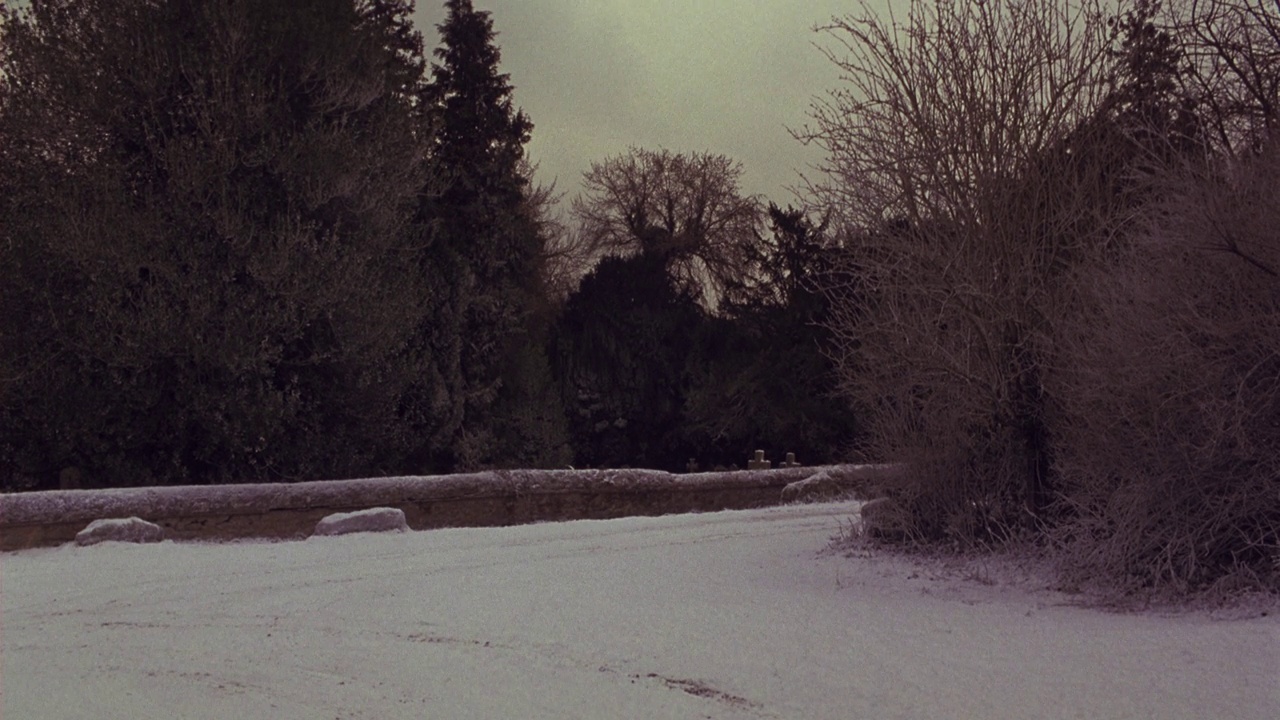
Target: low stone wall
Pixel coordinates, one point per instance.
(229, 512)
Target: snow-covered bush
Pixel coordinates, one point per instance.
(1170, 453)
(967, 190)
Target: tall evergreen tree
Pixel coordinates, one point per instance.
(488, 238)
(1147, 97)
(209, 252)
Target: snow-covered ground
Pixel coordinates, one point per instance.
(722, 615)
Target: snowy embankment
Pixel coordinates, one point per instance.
(722, 615)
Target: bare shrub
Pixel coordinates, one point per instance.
(1171, 383)
(964, 209)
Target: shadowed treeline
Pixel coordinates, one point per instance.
(264, 241)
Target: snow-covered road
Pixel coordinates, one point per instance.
(722, 615)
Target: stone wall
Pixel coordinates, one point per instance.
(229, 512)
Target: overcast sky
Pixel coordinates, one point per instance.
(725, 76)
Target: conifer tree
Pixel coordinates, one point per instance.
(487, 235)
(203, 278)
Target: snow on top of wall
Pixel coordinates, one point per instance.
(74, 505)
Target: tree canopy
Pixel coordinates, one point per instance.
(209, 234)
(683, 208)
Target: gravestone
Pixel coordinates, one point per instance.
(759, 463)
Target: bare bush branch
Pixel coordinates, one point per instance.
(1234, 51)
(1172, 392)
(957, 166)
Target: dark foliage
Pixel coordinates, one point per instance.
(272, 241)
(209, 241)
(651, 378)
(763, 377)
(489, 239)
(621, 349)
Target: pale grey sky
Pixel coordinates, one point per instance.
(725, 76)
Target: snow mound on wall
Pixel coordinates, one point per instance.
(134, 529)
(819, 486)
(380, 519)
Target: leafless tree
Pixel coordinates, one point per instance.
(683, 207)
(567, 253)
(1234, 52)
